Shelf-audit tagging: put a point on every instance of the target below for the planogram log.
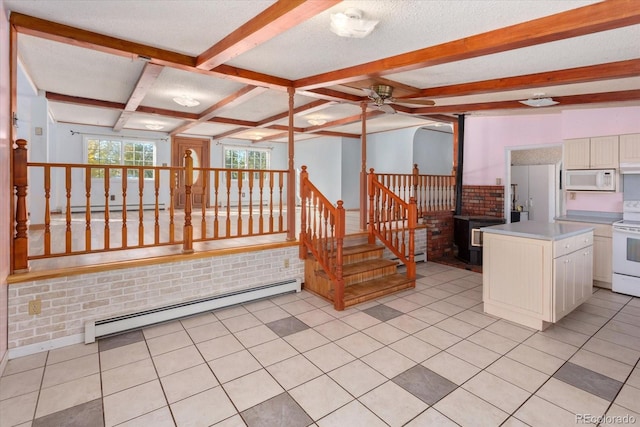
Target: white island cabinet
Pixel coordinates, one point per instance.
(535, 273)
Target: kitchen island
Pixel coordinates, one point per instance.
(535, 273)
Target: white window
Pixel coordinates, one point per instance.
(116, 152)
(245, 158)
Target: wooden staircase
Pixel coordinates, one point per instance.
(366, 274)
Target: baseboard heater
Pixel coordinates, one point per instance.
(116, 208)
(100, 328)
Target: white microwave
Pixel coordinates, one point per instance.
(590, 180)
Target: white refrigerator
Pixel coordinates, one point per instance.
(535, 190)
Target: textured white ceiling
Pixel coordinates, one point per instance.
(190, 27)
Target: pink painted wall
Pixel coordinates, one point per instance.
(487, 137)
(5, 195)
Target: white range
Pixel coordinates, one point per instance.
(626, 250)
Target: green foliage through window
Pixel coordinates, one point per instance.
(241, 158)
(117, 152)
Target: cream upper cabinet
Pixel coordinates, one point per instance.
(604, 152)
(591, 153)
(630, 148)
(577, 153)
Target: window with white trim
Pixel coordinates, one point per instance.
(114, 152)
(246, 158)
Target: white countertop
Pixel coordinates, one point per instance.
(538, 230)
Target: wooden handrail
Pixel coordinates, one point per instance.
(393, 221)
(433, 193)
(322, 230)
(145, 193)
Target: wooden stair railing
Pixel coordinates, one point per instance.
(322, 230)
(393, 221)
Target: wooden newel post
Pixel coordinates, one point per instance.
(371, 177)
(338, 298)
(187, 238)
(416, 175)
(20, 182)
(304, 177)
(413, 220)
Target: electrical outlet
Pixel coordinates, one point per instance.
(286, 263)
(35, 307)
(112, 197)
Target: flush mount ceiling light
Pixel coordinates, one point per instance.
(350, 24)
(539, 100)
(316, 122)
(186, 101)
(153, 126)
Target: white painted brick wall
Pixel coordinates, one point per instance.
(68, 302)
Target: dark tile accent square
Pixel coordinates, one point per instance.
(382, 312)
(86, 414)
(120, 340)
(280, 410)
(588, 380)
(287, 326)
(424, 384)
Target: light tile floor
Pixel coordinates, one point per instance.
(423, 357)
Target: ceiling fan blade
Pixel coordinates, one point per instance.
(428, 102)
(387, 109)
(370, 93)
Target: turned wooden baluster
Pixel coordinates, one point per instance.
(107, 232)
(261, 183)
(125, 183)
(338, 300)
(304, 175)
(67, 234)
(187, 238)
(173, 180)
(141, 206)
(156, 225)
(87, 214)
(20, 182)
(240, 181)
(270, 202)
(203, 202)
(215, 202)
(228, 222)
(251, 203)
(413, 220)
(47, 210)
(280, 185)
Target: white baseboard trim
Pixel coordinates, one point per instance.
(45, 346)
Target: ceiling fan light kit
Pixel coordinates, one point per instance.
(351, 24)
(539, 100)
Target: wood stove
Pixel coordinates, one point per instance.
(468, 237)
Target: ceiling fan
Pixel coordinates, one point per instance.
(380, 95)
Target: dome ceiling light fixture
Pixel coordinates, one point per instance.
(539, 100)
(153, 126)
(316, 122)
(351, 24)
(186, 101)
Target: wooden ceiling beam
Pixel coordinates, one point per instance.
(591, 73)
(274, 20)
(149, 75)
(593, 98)
(61, 33)
(240, 97)
(78, 100)
(603, 16)
(227, 133)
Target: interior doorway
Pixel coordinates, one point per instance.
(200, 154)
(533, 183)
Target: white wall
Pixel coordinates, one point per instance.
(351, 168)
(323, 159)
(433, 152)
(391, 152)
